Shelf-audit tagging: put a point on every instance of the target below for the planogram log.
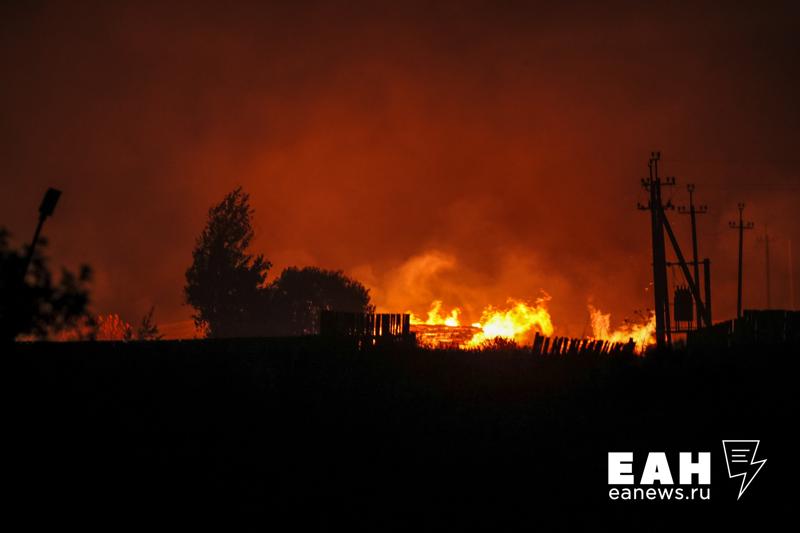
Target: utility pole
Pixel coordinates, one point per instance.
(707, 284)
(766, 240)
(692, 211)
(791, 277)
(652, 185)
(741, 226)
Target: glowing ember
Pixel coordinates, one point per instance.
(642, 334)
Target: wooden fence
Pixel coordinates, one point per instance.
(364, 325)
(566, 346)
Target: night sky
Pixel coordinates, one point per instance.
(466, 151)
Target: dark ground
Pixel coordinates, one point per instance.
(258, 432)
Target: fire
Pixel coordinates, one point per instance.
(435, 318)
(642, 334)
(518, 321)
(515, 322)
(101, 327)
(112, 327)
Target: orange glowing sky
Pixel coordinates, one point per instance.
(502, 141)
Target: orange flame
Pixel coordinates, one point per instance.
(112, 327)
(436, 318)
(101, 327)
(517, 322)
(642, 334)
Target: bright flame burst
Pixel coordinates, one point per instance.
(518, 321)
(641, 334)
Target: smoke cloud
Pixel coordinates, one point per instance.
(467, 152)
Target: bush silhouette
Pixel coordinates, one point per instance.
(299, 294)
(32, 303)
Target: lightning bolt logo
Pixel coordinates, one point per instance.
(740, 457)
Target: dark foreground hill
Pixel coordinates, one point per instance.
(258, 432)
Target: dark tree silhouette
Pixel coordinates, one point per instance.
(32, 303)
(225, 283)
(298, 295)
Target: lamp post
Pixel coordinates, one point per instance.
(46, 209)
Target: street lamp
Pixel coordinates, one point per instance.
(46, 209)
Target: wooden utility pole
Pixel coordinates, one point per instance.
(741, 226)
(791, 278)
(660, 226)
(767, 286)
(652, 184)
(692, 211)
